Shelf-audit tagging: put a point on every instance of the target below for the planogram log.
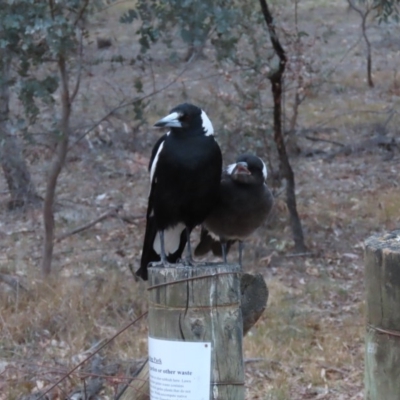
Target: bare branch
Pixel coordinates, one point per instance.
(81, 12)
(110, 213)
(355, 8)
(51, 5)
(129, 103)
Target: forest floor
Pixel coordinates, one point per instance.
(309, 343)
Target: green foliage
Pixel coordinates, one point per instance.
(33, 88)
(35, 32)
(196, 21)
(386, 10)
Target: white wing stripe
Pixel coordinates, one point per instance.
(154, 163)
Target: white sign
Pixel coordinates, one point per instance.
(179, 370)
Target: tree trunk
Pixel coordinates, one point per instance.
(19, 182)
(55, 169)
(276, 83)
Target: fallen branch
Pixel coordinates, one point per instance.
(110, 213)
(13, 282)
(130, 219)
(315, 139)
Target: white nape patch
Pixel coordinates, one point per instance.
(154, 163)
(207, 125)
(264, 170)
(171, 240)
(230, 168)
(171, 120)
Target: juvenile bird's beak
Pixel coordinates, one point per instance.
(241, 168)
(171, 120)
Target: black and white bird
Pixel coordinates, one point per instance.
(185, 173)
(243, 204)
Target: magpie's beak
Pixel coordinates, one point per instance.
(171, 120)
(241, 168)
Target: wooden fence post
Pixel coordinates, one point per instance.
(254, 297)
(202, 304)
(382, 343)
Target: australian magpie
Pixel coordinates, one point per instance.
(243, 204)
(185, 172)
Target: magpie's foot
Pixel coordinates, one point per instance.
(188, 261)
(165, 263)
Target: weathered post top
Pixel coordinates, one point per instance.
(202, 304)
(382, 343)
(254, 297)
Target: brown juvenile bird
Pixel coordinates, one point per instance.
(244, 203)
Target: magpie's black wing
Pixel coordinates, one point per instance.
(148, 253)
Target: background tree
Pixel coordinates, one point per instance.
(276, 79)
(14, 22)
(34, 34)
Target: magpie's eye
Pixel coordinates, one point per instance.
(184, 118)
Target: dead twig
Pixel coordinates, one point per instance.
(110, 213)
